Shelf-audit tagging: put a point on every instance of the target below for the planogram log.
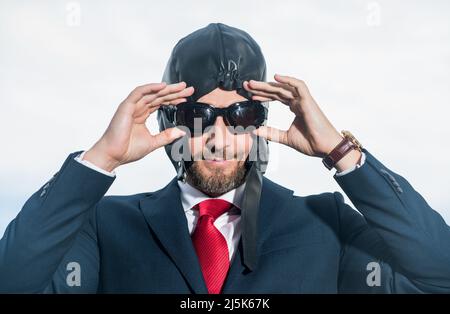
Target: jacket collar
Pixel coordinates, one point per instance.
(190, 196)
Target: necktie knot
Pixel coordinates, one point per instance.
(213, 207)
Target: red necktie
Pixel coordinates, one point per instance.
(210, 244)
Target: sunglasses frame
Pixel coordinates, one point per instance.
(171, 111)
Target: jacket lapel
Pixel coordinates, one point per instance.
(273, 197)
(165, 215)
(237, 268)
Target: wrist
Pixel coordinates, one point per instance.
(348, 161)
(345, 155)
(334, 141)
(101, 160)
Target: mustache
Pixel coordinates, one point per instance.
(222, 154)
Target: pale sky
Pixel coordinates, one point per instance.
(380, 69)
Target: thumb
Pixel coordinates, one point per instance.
(271, 134)
(167, 136)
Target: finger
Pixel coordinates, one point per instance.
(268, 95)
(144, 104)
(166, 137)
(169, 89)
(178, 101)
(148, 110)
(292, 91)
(282, 90)
(172, 102)
(261, 98)
(166, 100)
(140, 91)
(299, 85)
(154, 100)
(172, 88)
(272, 134)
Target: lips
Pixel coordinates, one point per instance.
(217, 162)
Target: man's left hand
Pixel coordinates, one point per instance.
(311, 133)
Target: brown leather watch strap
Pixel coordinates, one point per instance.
(342, 149)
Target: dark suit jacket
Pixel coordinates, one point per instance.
(140, 243)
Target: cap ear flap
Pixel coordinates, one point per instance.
(165, 117)
(259, 154)
(263, 155)
(184, 159)
(181, 171)
(169, 112)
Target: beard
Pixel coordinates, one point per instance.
(217, 182)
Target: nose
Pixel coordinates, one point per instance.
(219, 138)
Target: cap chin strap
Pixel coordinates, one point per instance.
(249, 216)
(250, 203)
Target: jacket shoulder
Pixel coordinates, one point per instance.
(324, 199)
(321, 208)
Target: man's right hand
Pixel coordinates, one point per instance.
(127, 138)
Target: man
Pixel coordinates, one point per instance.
(220, 226)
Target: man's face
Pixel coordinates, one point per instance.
(223, 167)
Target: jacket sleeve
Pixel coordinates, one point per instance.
(55, 224)
(398, 239)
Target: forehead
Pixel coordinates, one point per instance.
(221, 98)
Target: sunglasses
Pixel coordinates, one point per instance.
(241, 114)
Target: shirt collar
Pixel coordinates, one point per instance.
(190, 196)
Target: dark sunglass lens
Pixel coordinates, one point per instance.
(194, 116)
(248, 114)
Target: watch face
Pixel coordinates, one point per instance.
(352, 139)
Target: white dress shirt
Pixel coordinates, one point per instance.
(228, 223)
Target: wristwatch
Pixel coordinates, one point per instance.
(348, 143)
